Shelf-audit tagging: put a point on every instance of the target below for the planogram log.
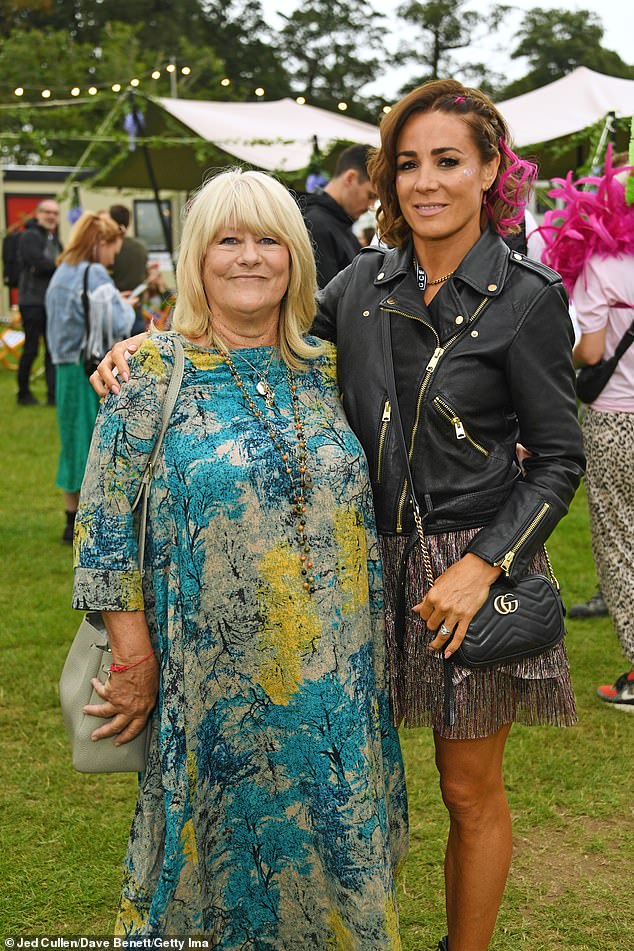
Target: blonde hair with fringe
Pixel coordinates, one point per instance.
(89, 231)
(259, 204)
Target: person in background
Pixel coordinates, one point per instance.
(157, 300)
(130, 265)
(590, 241)
(94, 241)
(273, 812)
(330, 212)
(38, 250)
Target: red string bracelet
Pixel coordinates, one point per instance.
(121, 668)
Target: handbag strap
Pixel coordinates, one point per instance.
(143, 495)
(624, 343)
(85, 301)
(388, 360)
(449, 713)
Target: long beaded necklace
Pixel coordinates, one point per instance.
(299, 487)
(262, 387)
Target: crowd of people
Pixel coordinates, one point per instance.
(344, 405)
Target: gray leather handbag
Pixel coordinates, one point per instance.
(89, 655)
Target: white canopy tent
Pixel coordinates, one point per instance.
(271, 135)
(567, 105)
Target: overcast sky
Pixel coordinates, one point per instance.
(617, 17)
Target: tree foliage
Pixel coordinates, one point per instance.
(329, 45)
(557, 41)
(440, 28)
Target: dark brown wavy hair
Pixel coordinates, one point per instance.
(505, 200)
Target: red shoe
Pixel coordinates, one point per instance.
(620, 694)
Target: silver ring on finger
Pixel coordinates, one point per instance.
(444, 630)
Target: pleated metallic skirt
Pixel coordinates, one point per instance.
(535, 691)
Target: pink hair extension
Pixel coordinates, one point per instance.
(513, 188)
(592, 222)
(459, 99)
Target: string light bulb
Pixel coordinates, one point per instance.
(156, 74)
(259, 91)
(92, 91)
(225, 82)
(75, 91)
(116, 87)
(19, 91)
(185, 70)
(342, 106)
(300, 101)
(46, 94)
(170, 68)
(387, 109)
(135, 82)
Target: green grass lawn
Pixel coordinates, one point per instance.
(63, 835)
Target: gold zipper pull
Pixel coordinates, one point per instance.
(437, 354)
(387, 412)
(460, 433)
(506, 562)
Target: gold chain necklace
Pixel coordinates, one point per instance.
(300, 487)
(421, 276)
(262, 387)
(439, 280)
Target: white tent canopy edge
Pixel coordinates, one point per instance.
(567, 105)
(275, 135)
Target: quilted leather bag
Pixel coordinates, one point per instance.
(517, 621)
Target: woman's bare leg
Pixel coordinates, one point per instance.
(479, 846)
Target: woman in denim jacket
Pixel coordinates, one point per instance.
(94, 241)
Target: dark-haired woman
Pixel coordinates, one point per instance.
(482, 357)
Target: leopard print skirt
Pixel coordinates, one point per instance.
(609, 444)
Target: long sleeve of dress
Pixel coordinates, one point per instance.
(107, 573)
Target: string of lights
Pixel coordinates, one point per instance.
(58, 95)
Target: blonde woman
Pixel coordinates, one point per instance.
(273, 811)
(94, 241)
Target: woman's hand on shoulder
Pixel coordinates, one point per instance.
(115, 364)
(454, 600)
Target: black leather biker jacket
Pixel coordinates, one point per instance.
(486, 365)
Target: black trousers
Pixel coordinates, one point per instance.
(34, 326)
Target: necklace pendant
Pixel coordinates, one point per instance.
(264, 389)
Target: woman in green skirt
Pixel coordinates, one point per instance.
(81, 283)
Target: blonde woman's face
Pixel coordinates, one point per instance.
(245, 276)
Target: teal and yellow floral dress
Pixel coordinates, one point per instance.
(273, 813)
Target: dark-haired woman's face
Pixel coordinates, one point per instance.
(441, 179)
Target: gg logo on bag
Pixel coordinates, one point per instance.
(506, 604)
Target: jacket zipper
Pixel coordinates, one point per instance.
(429, 371)
(461, 433)
(506, 562)
(385, 423)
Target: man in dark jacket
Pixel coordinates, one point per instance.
(38, 251)
(130, 265)
(331, 212)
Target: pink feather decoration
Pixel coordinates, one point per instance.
(596, 222)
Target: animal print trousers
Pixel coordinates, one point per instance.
(609, 445)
